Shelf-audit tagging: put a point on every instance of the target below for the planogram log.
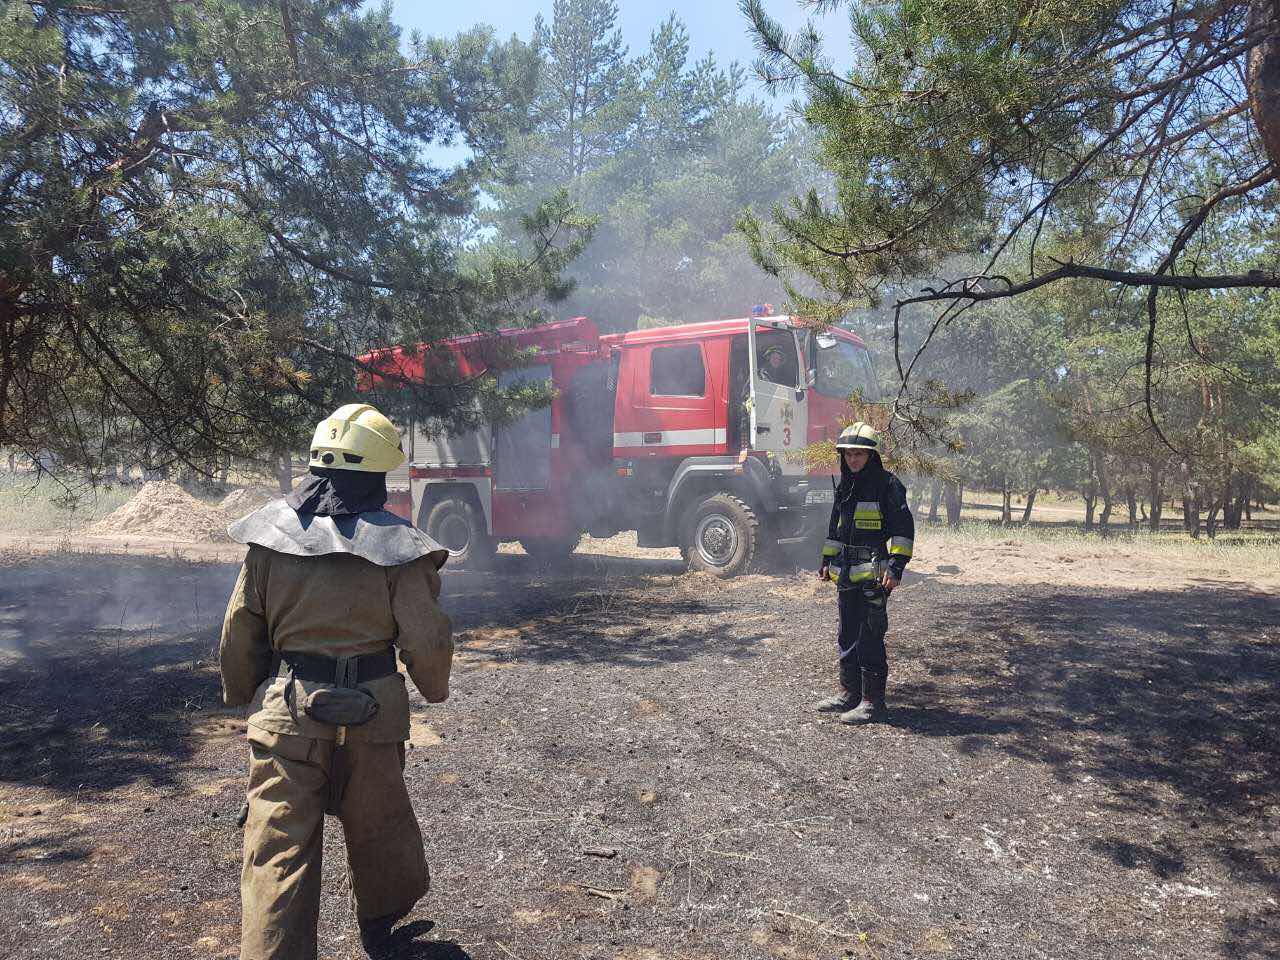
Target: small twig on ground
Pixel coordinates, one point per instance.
(605, 893)
(764, 825)
(738, 856)
(820, 924)
(515, 806)
(608, 853)
(509, 823)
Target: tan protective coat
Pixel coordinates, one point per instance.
(335, 605)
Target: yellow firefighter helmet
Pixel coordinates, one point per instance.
(859, 435)
(356, 437)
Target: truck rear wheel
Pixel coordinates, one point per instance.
(456, 524)
(721, 536)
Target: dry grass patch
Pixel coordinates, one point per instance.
(644, 883)
(421, 734)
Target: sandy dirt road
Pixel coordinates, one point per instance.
(1070, 771)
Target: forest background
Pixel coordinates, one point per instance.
(210, 210)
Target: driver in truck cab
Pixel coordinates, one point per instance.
(772, 366)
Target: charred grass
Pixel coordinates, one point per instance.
(628, 768)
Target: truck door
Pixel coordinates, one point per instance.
(522, 449)
(779, 408)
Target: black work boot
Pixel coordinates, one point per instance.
(848, 697)
(837, 703)
(375, 934)
(872, 708)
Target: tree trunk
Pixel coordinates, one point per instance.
(1104, 488)
(935, 496)
(1090, 503)
(955, 499)
(1155, 491)
(13, 463)
(1031, 502)
(1006, 505)
(1211, 521)
(1191, 516)
(917, 497)
(284, 472)
(1131, 498)
(1232, 511)
(1264, 76)
(1190, 503)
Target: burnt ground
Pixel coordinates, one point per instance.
(1066, 774)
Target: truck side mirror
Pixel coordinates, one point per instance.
(799, 394)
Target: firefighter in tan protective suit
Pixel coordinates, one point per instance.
(332, 588)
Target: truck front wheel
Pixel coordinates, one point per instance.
(456, 524)
(721, 536)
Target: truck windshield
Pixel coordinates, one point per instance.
(842, 369)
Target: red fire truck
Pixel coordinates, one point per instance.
(685, 434)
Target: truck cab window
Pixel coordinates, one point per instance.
(776, 358)
(842, 369)
(677, 372)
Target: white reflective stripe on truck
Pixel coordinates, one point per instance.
(671, 438)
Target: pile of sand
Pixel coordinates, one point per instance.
(238, 503)
(163, 509)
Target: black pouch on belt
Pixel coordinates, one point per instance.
(344, 704)
(339, 706)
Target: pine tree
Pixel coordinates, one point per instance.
(208, 209)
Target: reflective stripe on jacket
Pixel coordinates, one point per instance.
(874, 512)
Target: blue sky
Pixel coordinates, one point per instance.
(715, 26)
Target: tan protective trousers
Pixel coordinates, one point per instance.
(292, 782)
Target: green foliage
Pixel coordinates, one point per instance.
(960, 126)
(664, 153)
(1034, 143)
(208, 209)
(998, 152)
(1058, 400)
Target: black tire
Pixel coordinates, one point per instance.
(456, 524)
(721, 536)
(550, 550)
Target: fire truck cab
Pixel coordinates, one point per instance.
(689, 435)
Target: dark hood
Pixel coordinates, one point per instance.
(339, 493)
(873, 469)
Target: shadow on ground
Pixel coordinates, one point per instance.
(98, 660)
(1168, 699)
(409, 943)
(621, 611)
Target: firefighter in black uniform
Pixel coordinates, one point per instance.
(870, 510)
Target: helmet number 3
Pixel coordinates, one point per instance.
(333, 433)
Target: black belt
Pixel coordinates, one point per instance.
(341, 671)
(852, 554)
